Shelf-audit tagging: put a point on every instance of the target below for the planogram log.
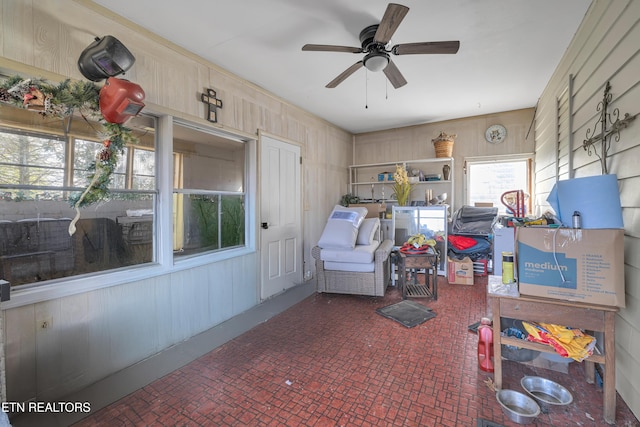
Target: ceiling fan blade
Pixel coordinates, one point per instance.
(331, 48)
(426, 47)
(346, 73)
(394, 75)
(392, 18)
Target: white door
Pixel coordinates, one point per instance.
(280, 216)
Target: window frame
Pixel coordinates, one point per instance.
(506, 158)
(33, 292)
(250, 184)
(163, 240)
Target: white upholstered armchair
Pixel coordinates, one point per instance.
(350, 256)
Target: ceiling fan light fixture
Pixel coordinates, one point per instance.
(376, 61)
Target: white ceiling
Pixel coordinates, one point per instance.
(508, 51)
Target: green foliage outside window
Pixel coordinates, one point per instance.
(229, 229)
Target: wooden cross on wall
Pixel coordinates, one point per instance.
(213, 104)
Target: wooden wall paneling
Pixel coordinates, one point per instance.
(48, 343)
(632, 260)
(51, 46)
(596, 62)
(631, 219)
(245, 293)
(72, 330)
(586, 166)
(100, 337)
(545, 179)
(629, 185)
(17, 21)
(169, 80)
(627, 347)
(62, 31)
(415, 142)
(67, 330)
(623, 161)
(545, 154)
(196, 292)
(3, 24)
(218, 293)
(163, 315)
(604, 49)
(546, 149)
(563, 138)
(20, 350)
(546, 173)
(131, 320)
(229, 115)
(590, 84)
(181, 297)
(187, 81)
(578, 56)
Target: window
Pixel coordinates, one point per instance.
(489, 179)
(42, 165)
(209, 192)
(84, 156)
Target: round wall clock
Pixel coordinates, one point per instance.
(495, 134)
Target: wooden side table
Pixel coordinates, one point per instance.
(427, 262)
(589, 317)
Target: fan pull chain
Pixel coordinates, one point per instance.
(366, 89)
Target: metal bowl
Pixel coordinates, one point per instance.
(519, 407)
(546, 391)
(518, 354)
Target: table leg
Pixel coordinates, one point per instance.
(497, 348)
(609, 379)
(589, 372)
(401, 277)
(434, 277)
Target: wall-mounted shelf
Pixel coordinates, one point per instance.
(364, 182)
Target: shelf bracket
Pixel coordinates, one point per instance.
(606, 133)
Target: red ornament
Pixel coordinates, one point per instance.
(107, 143)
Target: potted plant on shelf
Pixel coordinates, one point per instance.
(401, 187)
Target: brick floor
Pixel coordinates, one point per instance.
(331, 360)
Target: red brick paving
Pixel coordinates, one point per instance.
(331, 360)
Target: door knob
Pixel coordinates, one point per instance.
(265, 225)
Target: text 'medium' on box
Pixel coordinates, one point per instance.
(582, 265)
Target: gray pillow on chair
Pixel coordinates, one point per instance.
(342, 227)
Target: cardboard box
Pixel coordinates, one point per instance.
(373, 209)
(460, 271)
(584, 265)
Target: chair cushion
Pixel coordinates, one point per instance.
(360, 254)
(367, 231)
(354, 267)
(342, 227)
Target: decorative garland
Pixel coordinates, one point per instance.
(61, 101)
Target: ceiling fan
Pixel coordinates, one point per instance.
(374, 40)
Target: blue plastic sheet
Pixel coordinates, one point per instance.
(597, 198)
